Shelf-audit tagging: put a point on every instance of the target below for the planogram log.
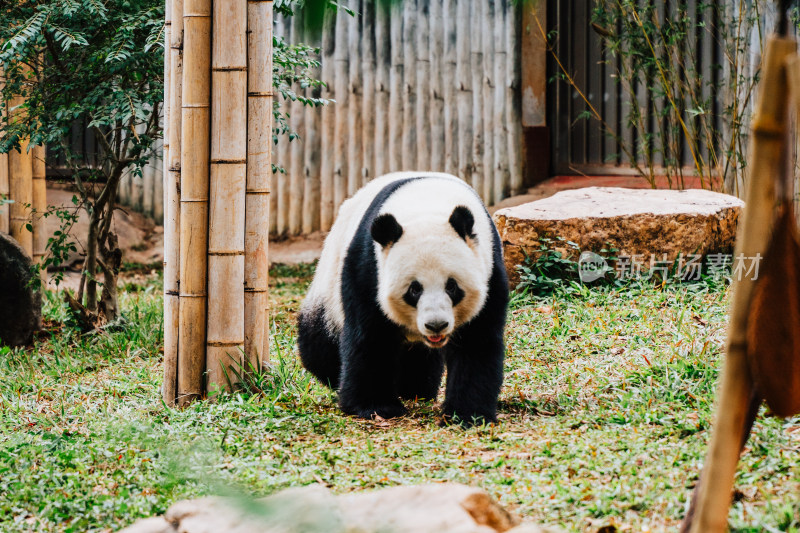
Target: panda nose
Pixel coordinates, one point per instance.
(437, 326)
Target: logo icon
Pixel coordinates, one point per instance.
(591, 267)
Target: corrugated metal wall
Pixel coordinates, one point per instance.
(420, 85)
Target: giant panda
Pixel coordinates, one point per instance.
(411, 280)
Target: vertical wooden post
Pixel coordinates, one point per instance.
(383, 60)
(462, 102)
(499, 124)
(172, 204)
(476, 70)
(4, 191)
(396, 88)
(423, 73)
(278, 182)
(259, 170)
(766, 156)
(368, 111)
(487, 99)
(39, 204)
(341, 107)
(409, 85)
(436, 61)
(296, 147)
(195, 124)
(20, 186)
(513, 110)
(327, 168)
(226, 216)
(355, 163)
(312, 144)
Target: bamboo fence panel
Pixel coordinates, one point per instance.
(418, 85)
(355, 156)
(4, 222)
(172, 205)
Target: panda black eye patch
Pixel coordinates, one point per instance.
(414, 291)
(455, 292)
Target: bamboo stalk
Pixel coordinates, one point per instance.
(259, 170)
(383, 61)
(368, 68)
(396, 88)
(327, 141)
(459, 105)
(228, 176)
(297, 147)
(499, 125)
(20, 186)
(39, 204)
(487, 100)
(195, 123)
(172, 206)
(409, 85)
(423, 88)
(355, 163)
(277, 203)
(476, 61)
(312, 145)
(513, 97)
(766, 154)
(435, 58)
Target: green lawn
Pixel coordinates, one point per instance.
(604, 420)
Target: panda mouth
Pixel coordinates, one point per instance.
(436, 341)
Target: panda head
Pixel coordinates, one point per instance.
(431, 278)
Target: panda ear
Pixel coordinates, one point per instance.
(385, 230)
(462, 221)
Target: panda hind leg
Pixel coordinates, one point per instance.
(319, 351)
(419, 373)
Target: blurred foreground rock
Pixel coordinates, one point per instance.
(20, 307)
(435, 508)
(660, 223)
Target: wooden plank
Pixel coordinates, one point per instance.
(436, 92)
(409, 84)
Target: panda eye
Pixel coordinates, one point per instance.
(455, 292)
(413, 293)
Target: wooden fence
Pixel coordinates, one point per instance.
(420, 85)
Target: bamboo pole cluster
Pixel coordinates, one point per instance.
(22, 180)
(217, 160)
(418, 85)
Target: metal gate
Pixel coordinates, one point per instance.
(583, 145)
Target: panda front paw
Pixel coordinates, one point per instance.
(389, 410)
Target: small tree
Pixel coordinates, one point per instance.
(100, 62)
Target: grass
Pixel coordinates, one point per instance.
(604, 419)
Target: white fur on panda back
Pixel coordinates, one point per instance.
(410, 204)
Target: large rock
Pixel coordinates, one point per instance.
(635, 222)
(20, 307)
(436, 508)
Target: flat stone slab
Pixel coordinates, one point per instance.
(20, 307)
(637, 222)
(434, 508)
